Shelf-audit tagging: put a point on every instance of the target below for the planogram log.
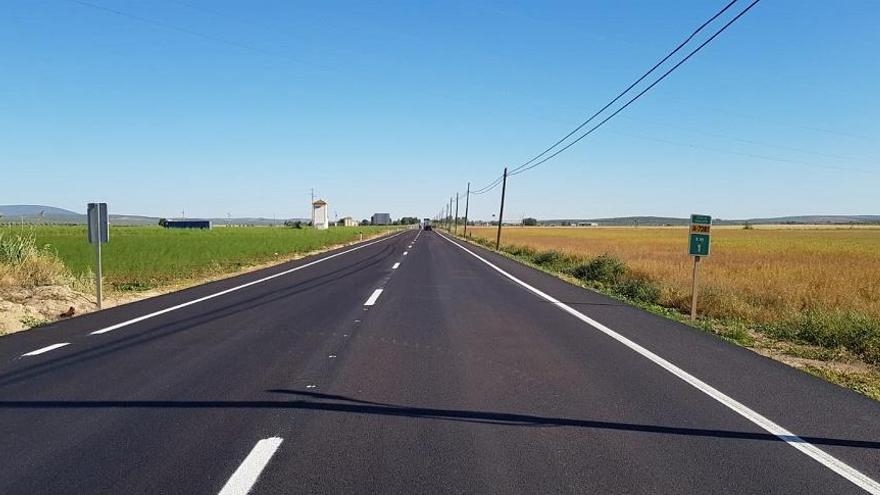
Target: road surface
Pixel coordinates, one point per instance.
(413, 364)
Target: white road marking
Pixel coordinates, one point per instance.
(395, 266)
(246, 475)
(372, 299)
(848, 472)
(45, 349)
(405, 253)
(233, 289)
(311, 386)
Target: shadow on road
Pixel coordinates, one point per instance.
(342, 404)
(198, 317)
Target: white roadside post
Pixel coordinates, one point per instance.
(99, 233)
(698, 246)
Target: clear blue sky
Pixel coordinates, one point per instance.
(241, 107)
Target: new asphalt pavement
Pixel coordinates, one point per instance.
(414, 363)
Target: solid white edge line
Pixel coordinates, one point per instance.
(45, 349)
(233, 289)
(372, 299)
(395, 266)
(243, 479)
(845, 470)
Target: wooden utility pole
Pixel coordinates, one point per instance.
(456, 215)
(501, 211)
(449, 217)
(694, 289)
(467, 202)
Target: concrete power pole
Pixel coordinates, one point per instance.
(456, 215)
(501, 211)
(467, 202)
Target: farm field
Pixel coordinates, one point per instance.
(140, 258)
(806, 296)
(761, 275)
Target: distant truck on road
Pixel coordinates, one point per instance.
(187, 224)
(426, 224)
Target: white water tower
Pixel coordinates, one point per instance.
(320, 214)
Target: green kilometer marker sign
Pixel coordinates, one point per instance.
(698, 247)
(699, 244)
(700, 232)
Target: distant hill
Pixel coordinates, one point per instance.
(34, 211)
(659, 221)
(50, 214)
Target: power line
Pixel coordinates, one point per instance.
(489, 187)
(750, 155)
(667, 125)
(639, 95)
(628, 88)
(197, 34)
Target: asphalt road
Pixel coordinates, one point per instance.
(413, 364)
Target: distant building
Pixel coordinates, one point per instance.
(349, 222)
(187, 224)
(320, 214)
(588, 224)
(381, 219)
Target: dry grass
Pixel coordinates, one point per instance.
(762, 275)
(809, 297)
(25, 264)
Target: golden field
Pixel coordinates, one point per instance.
(761, 275)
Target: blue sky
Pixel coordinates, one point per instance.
(217, 107)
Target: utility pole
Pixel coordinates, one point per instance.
(467, 202)
(501, 211)
(450, 213)
(456, 213)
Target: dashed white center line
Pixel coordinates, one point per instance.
(372, 300)
(238, 287)
(405, 253)
(246, 475)
(848, 472)
(46, 349)
(395, 266)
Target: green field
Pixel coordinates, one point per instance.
(140, 258)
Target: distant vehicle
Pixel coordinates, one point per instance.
(426, 224)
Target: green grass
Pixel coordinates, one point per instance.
(864, 383)
(140, 258)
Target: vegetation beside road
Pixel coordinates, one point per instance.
(139, 259)
(809, 297)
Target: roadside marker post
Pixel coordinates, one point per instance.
(99, 233)
(698, 246)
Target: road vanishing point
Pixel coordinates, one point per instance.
(413, 363)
